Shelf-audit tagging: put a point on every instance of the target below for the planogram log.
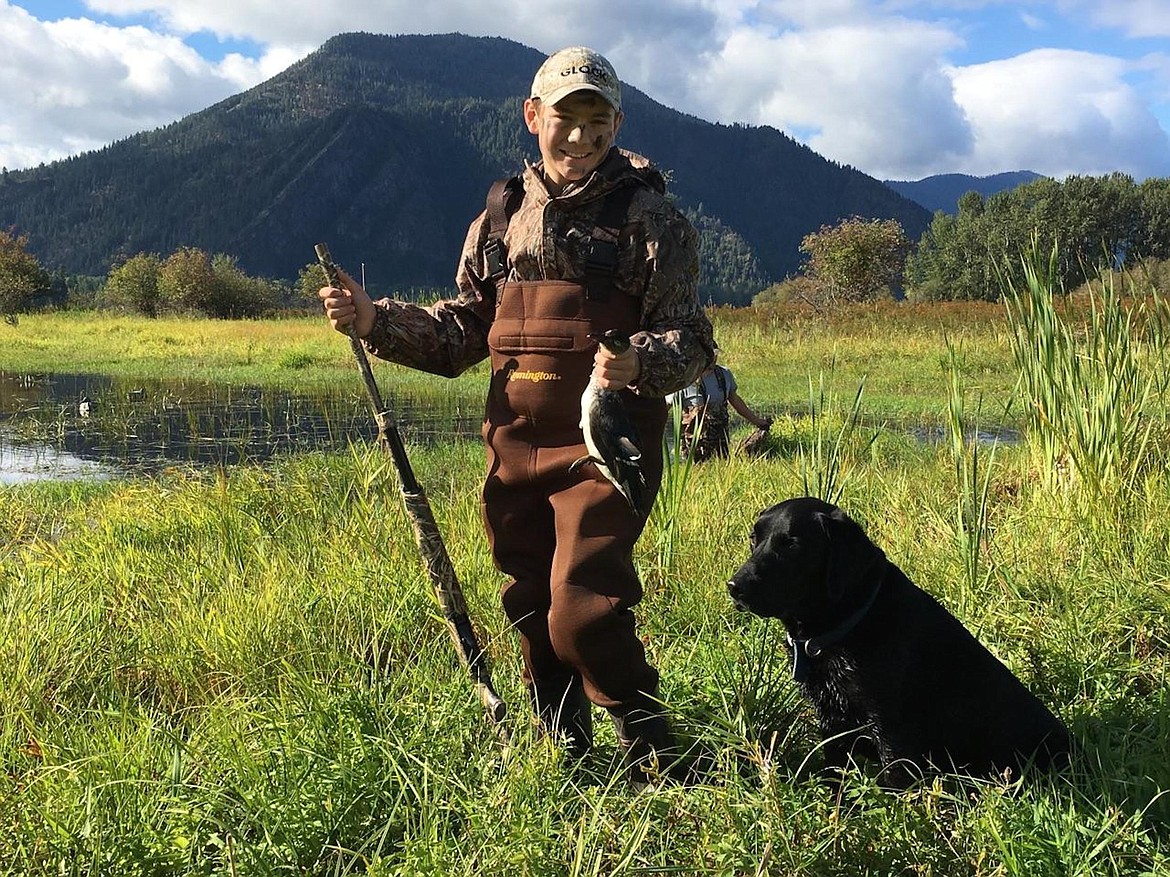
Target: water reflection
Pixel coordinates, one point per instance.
(992, 435)
(21, 464)
(63, 426)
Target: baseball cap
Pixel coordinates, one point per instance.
(576, 69)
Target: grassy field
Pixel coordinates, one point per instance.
(899, 350)
(243, 672)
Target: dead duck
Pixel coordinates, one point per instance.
(610, 436)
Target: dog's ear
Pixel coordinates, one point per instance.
(849, 553)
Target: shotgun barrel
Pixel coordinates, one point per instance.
(426, 532)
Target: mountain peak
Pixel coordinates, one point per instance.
(943, 191)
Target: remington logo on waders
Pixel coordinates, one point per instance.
(535, 377)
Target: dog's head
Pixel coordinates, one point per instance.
(808, 558)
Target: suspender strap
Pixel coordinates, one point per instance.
(502, 200)
(601, 253)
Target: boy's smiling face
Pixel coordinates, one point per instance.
(574, 135)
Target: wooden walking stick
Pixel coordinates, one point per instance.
(426, 532)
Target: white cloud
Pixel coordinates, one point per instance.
(875, 97)
(73, 85)
(1136, 18)
(1033, 22)
(1060, 112)
(311, 22)
(807, 13)
(645, 41)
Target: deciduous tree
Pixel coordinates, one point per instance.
(236, 294)
(309, 280)
(857, 259)
(1154, 205)
(133, 285)
(21, 275)
(1089, 222)
(186, 282)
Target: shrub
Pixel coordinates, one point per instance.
(234, 294)
(21, 275)
(790, 290)
(186, 283)
(857, 259)
(189, 282)
(133, 285)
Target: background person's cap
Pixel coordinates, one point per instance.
(576, 69)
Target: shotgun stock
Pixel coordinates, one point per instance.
(426, 532)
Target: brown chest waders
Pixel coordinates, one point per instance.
(565, 538)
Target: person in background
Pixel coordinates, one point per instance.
(583, 242)
(705, 416)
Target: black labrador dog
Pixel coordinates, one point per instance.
(889, 671)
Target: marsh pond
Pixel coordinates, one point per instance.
(91, 426)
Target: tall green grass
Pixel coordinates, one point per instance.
(973, 469)
(672, 494)
(242, 671)
(1092, 390)
(827, 458)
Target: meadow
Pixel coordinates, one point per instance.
(242, 671)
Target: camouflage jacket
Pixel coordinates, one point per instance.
(658, 263)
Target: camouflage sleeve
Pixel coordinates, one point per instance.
(675, 344)
(447, 337)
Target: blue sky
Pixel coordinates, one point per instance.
(900, 89)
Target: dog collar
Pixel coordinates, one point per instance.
(814, 646)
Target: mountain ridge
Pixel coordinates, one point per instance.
(385, 147)
(943, 191)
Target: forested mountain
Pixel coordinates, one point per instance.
(384, 147)
(943, 191)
